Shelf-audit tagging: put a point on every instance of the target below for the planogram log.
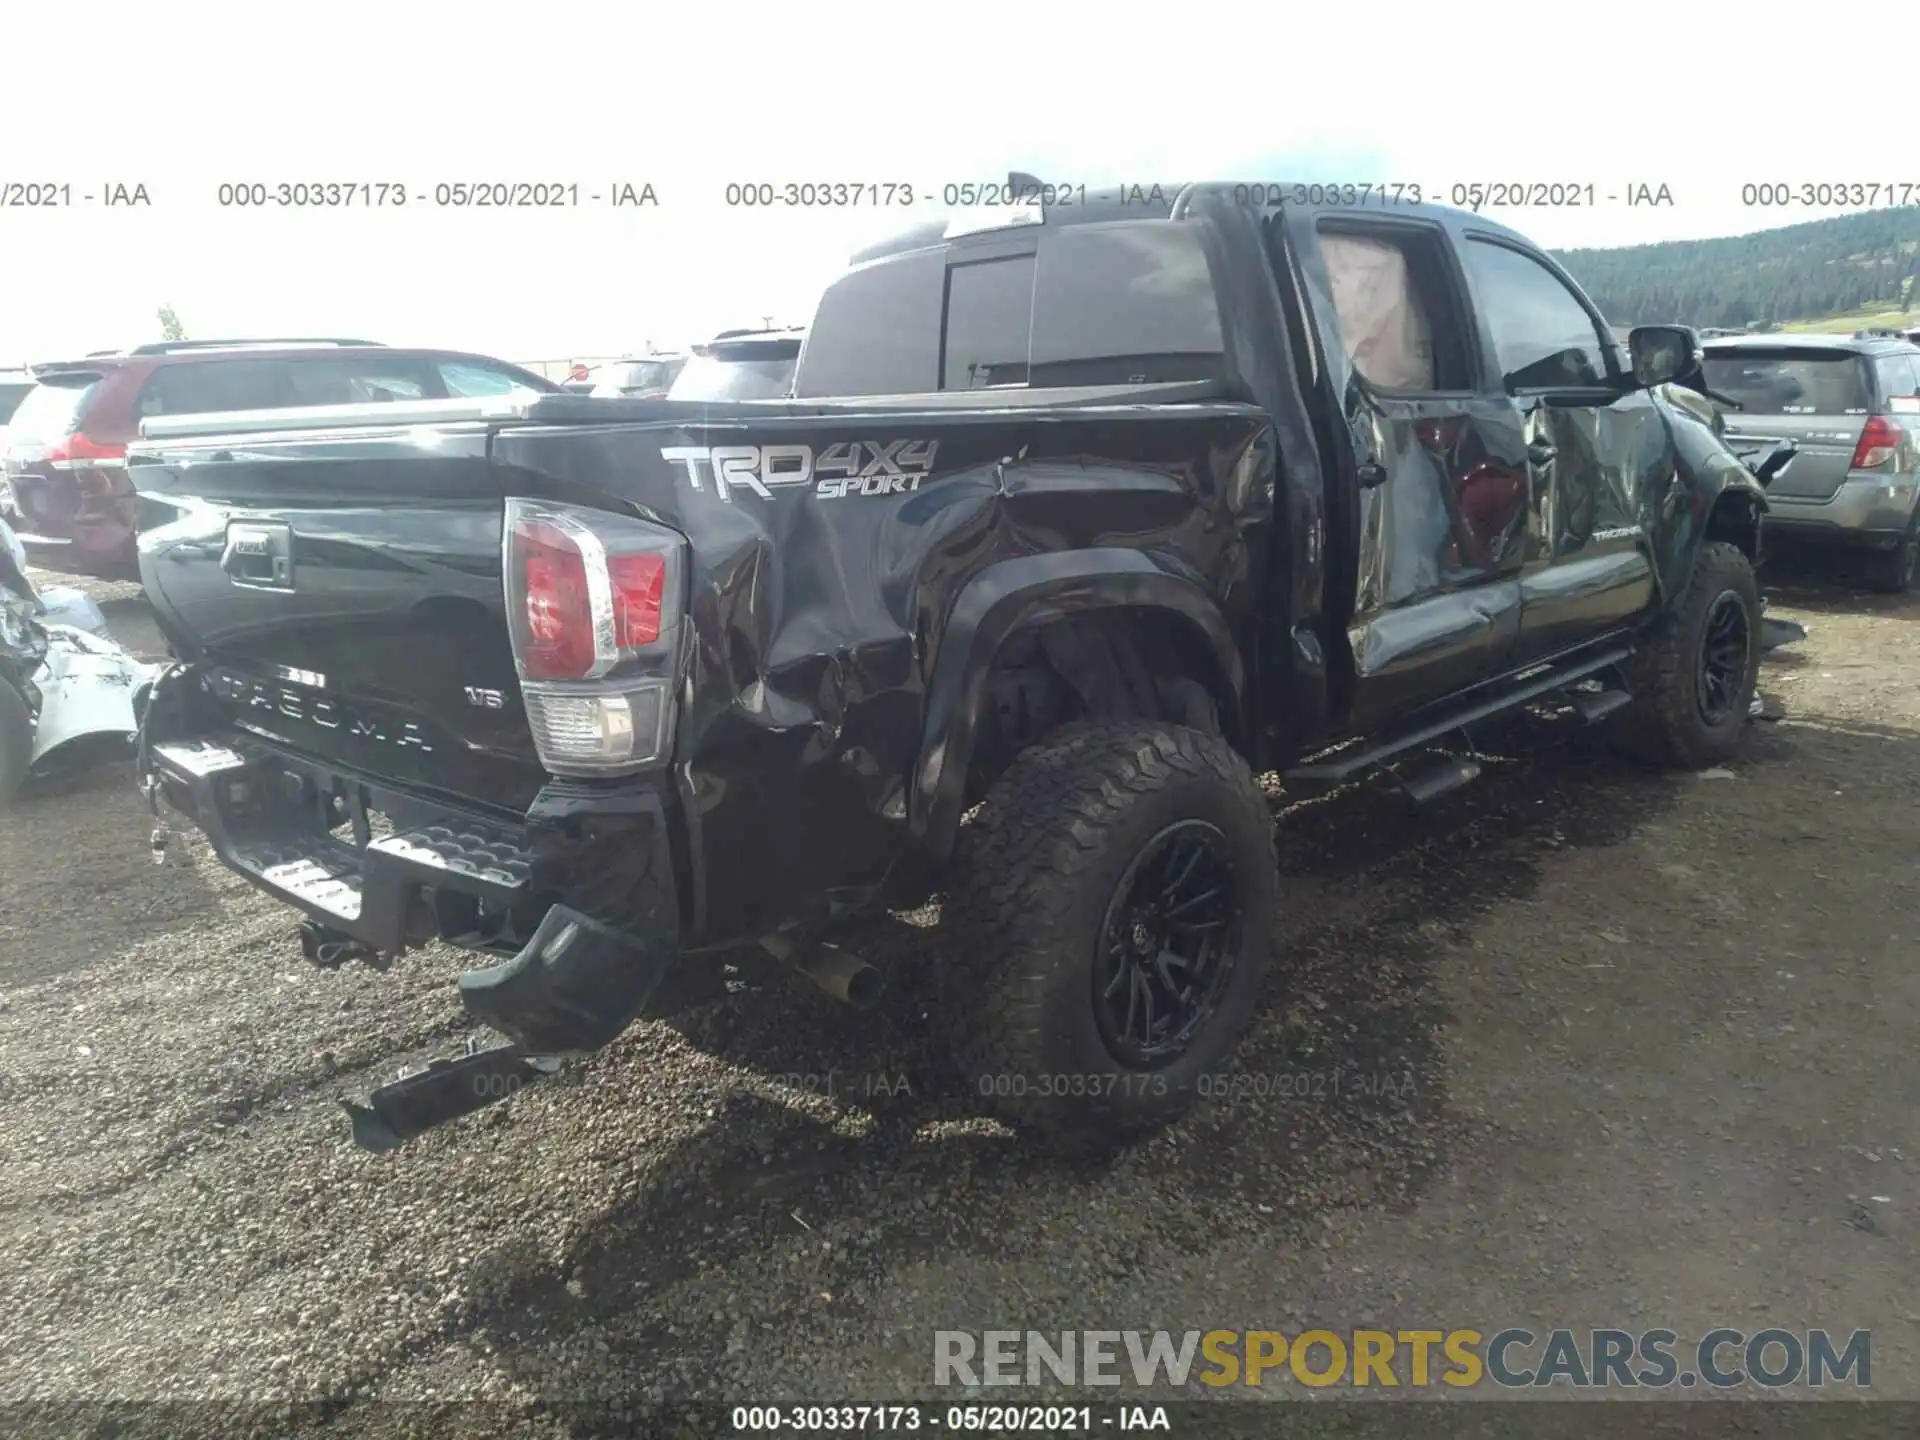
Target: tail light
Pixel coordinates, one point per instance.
(594, 604)
(79, 450)
(1879, 443)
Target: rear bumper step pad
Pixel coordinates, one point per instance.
(279, 844)
(572, 988)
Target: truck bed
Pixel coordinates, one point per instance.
(834, 624)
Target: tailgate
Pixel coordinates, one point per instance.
(342, 596)
(1817, 398)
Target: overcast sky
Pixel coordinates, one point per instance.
(184, 96)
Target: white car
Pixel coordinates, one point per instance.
(638, 376)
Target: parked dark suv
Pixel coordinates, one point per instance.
(1852, 405)
(741, 365)
(64, 460)
(637, 377)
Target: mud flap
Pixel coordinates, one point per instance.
(574, 987)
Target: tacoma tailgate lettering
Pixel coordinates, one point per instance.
(241, 691)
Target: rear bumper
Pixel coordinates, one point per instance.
(1872, 510)
(68, 529)
(305, 833)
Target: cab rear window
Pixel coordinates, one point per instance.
(1786, 382)
(1087, 304)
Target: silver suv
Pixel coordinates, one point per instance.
(1852, 405)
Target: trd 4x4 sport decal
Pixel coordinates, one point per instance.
(850, 468)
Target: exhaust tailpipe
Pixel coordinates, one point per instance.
(841, 973)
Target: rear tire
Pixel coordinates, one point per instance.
(1693, 680)
(1891, 571)
(1084, 894)
(16, 741)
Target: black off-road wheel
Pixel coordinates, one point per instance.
(1693, 680)
(1892, 571)
(1113, 918)
(16, 741)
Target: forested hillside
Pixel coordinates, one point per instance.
(1849, 264)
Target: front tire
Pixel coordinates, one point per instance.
(1113, 913)
(1693, 681)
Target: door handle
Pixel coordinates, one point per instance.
(1372, 474)
(1541, 453)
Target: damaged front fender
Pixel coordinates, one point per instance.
(1714, 497)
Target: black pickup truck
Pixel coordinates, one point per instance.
(1074, 525)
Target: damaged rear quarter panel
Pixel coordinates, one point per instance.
(818, 618)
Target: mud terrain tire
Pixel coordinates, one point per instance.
(1680, 715)
(1083, 839)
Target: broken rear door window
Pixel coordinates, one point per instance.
(1383, 319)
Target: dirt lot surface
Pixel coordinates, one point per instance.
(1580, 1045)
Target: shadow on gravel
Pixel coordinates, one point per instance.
(80, 882)
(1338, 1098)
(1824, 582)
(130, 620)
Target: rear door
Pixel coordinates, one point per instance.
(1819, 397)
(1441, 529)
(358, 380)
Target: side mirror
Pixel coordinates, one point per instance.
(1662, 353)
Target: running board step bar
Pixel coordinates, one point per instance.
(1347, 765)
(445, 1090)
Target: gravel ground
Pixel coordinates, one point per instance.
(1610, 1048)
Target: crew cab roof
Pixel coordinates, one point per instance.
(1156, 201)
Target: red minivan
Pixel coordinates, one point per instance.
(65, 489)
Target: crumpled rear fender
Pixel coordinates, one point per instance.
(1028, 591)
